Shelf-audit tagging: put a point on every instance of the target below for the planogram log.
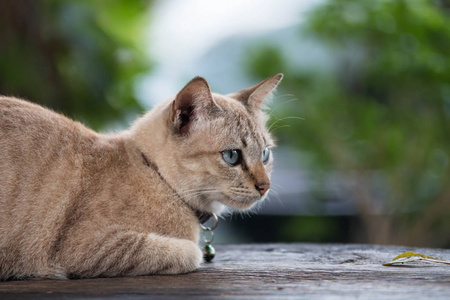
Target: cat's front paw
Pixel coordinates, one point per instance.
(186, 257)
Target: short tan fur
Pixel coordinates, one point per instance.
(78, 204)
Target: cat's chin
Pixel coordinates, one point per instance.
(241, 204)
(228, 204)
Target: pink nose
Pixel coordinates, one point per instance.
(262, 188)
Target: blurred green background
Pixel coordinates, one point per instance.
(362, 116)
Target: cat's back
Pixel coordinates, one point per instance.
(20, 116)
(30, 133)
(37, 147)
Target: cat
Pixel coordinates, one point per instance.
(78, 204)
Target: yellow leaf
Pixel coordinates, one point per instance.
(412, 257)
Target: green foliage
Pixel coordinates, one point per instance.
(313, 229)
(78, 57)
(382, 110)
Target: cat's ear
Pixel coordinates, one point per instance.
(192, 101)
(254, 96)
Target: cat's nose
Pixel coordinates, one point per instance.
(262, 187)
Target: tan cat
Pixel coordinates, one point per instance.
(75, 203)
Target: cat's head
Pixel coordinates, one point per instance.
(213, 149)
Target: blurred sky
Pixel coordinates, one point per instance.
(181, 33)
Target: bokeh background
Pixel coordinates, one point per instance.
(362, 116)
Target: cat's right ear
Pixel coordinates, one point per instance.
(190, 103)
(254, 96)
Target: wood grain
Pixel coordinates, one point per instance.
(267, 271)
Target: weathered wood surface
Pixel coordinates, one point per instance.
(268, 271)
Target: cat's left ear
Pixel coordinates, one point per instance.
(190, 103)
(254, 96)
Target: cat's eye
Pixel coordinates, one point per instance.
(265, 155)
(231, 157)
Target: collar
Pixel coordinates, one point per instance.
(201, 215)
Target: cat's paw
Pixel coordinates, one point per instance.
(186, 257)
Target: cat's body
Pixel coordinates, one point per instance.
(75, 203)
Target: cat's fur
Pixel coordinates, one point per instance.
(76, 203)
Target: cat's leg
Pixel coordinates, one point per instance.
(129, 253)
(27, 264)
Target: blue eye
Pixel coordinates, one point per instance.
(265, 155)
(231, 157)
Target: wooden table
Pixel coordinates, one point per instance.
(267, 271)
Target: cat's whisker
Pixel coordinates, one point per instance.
(276, 195)
(244, 197)
(275, 191)
(201, 193)
(277, 185)
(190, 194)
(248, 213)
(282, 119)
(272, 113)
(197, 190)
(201, 190)
(187, 191)
(239, 189)
(282, 126)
